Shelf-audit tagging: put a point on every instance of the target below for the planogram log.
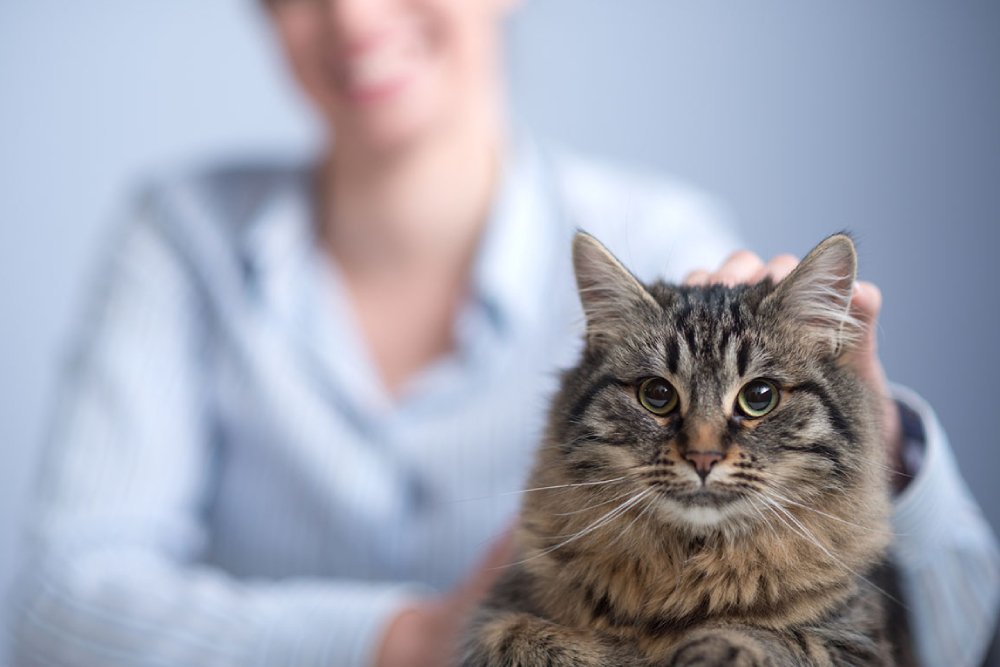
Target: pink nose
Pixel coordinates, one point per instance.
(703, 461)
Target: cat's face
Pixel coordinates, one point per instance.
(714, 406)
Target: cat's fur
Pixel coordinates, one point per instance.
(626, 557)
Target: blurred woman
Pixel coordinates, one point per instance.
(305, 390)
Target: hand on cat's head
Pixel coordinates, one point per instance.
(744, 266)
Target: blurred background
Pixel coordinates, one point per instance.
(804, 118)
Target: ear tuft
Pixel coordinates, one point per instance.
(815, 297)
(608, 291)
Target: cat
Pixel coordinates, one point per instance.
(710, 489)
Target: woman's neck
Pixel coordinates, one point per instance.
(418, 210)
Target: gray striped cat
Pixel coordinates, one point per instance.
(711, 488)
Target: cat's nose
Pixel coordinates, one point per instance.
(703, 461)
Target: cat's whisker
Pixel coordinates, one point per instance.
(607, 518)
(604, 520)
(564, 486)
(764, 518)
(590, 507)
(540, 488)
(783, 516)
(650, 503)
(783, 499)
(802, 530)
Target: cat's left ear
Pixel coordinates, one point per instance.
(815, 298)
(611, 296)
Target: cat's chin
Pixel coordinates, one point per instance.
(703, 511)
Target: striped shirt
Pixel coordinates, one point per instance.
(229, 483)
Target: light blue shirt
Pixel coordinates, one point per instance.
(229, 483)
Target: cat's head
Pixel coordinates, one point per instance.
(716, 409)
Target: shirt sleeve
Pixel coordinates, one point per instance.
(114, 571)
(947, 553)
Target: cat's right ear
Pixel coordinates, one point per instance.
(815, 298)
(610, 294)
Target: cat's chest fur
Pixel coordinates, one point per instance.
(654, 593)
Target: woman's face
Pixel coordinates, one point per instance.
(383, 73)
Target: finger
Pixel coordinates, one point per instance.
(739, 268)
(697, 278)
(777, 269)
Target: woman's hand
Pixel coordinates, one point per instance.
(745, 267)
(427, 635)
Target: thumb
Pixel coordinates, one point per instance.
(866, 304)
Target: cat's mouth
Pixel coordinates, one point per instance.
(701, 507)
(701, 493)
(707, 496)
(705, 508)
(710, 496)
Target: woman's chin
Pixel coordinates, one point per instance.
(380, 132)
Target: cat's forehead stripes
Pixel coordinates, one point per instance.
(708, 338)
(743, 357)
(673, 354)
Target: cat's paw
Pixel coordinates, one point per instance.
(503, 639)
(717, 651)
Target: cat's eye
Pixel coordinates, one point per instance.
(657, 395)
(757, 398)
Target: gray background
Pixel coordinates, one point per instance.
(806, 118)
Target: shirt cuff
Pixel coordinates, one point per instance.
(321, 624)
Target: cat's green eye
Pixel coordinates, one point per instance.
(657, 395)
(757, 398)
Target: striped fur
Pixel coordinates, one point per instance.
(627, 557)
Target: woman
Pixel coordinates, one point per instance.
(306, 388)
